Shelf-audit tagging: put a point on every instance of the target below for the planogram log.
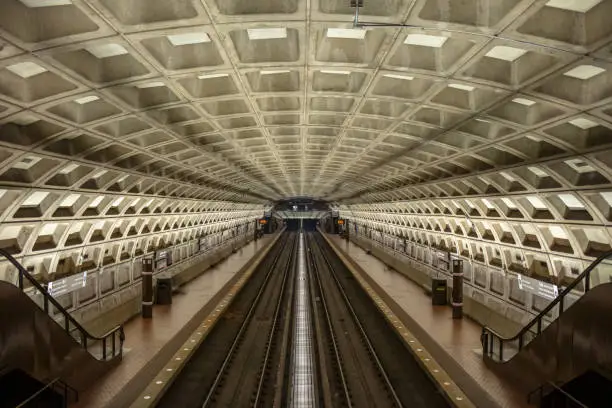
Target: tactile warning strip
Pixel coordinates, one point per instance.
(451, 391)
(164, 379)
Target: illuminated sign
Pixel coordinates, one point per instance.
(263, 221)
(340, 222)
(67, 285)
(537, 287)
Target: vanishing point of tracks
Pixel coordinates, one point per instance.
(358, 360)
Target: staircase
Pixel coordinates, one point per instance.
(544, 354)
(46, 343)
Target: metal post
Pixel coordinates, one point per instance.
(147, 288)
(457, 300)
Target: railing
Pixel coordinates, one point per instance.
(58, 386)
(503, 348)
(111, 342)
(561, 399)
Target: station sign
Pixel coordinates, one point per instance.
(537, 287)
(66, 285)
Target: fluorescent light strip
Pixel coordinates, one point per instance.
(150, 85)
(188, 38)
(523, 101)
(273, 72)
(580, 6)
(425, 40)
(462, 87)
(211, 76)
(45, 3)
(395, 76)
(86, 99)
(106, 50)
(584, 72)
(324, 71)
(266, 33)
(346, 33)
(505, 53)
(583, 123)
(26, 69)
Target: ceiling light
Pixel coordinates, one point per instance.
(26, 163)
(581, 6)
(347, 33)
(24, 119)
(106, 50)
(86, 99)
(523, 101)
(505, 53)
(211, 76)
(150, 85)
(272, 72)
(26, 69)
(584, 72)
(188, 38)
(462, 87)
(538, 171)
(69, 168)
(425, 40)
(324, 71)
(266, 33)
(45, 3)
(395, 76)
(583, 123)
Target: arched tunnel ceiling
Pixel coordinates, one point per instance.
(261, 100)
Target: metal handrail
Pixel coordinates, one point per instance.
(488, 333)
(68, 319)
(540, 393)
(51, 385)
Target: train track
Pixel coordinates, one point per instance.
(236, 366)
(362, 360)
(354, 357)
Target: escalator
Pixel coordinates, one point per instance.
(559, 352)
(47, 344)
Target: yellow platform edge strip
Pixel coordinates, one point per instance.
(164, 379)
(453, 394)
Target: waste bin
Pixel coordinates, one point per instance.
(164, 291)
(438, 292)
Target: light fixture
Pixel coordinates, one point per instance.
(266, 33)
(580, 6)
(396, 76)
(188, 38)
(106, 50)
(584, 72)
(26, 69)
(583, 123)
(523, 101)
(346, 33)
(425, 40)
(86, 99)
(273, 72)
(505, 53)
(156, 84)
(462, 87)
(45, 3)
(324, 71)
(211, 76)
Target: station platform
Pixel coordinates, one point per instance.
(455, 344)
(149, 343)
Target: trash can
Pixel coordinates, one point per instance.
(164, 291)
(438, 292)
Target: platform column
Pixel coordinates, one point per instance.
(457, 296)
(147, 288)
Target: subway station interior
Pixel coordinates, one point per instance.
(306, 203)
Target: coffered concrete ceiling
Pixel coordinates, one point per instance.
(266, 99)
